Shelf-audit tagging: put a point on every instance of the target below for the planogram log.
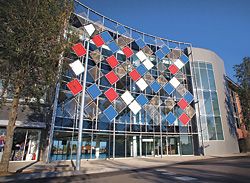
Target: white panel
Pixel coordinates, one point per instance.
(179, 63)
(77, 67)
(135, 107)
(174, 82)
(127, 97)
(90, 29)
(148, 64)
(141, 55)
(142, 84)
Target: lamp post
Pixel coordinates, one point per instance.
(79, 143)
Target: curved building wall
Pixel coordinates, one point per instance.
(224, 139)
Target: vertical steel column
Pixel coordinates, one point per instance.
(79, 143)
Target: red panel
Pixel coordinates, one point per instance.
(127, 51)
(111, 94)
(74, 86)
(79, 49)
(173, 69)
(112, 61)
(184, 118)
(182, 103)
(112, 78)
(134, 75)
(97, 39)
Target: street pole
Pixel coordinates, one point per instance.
(79, 144)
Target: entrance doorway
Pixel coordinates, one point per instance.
(173, 145)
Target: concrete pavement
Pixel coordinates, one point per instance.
(36, 170)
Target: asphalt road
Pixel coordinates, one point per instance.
(230, 169)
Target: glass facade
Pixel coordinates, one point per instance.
(138, 99)
(210, 117)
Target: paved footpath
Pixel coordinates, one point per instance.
(36, 170)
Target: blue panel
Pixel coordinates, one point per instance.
(159, 54)
(110, 113)
(94, 91)
(121, 30)
(140, 43)
(184, 59)
(113, 46)
(170, 118)
(188, 97)
(155, 86)
(142, 100)
(168, 88)
(106, 36)
(165, 49)
(141, 69)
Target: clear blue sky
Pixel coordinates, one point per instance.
(222, 26)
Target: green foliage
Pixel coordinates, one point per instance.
(32, 38)
(243, 76)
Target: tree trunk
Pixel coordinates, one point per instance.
(10, 131)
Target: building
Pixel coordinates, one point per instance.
(145, 96)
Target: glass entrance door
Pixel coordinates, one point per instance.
(173, 145)
(147, 146)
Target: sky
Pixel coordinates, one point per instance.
(222, 26)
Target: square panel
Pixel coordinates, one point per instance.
(171, 118)
(148, 78)
(181, 90)
(156, 101)
(184, 119)
(91, 111)
(111, 94)
(174, 82)
(190, 111)
(96, 56)
(178, 63)
(148, 64)
(121, 42)
(90, 29)
(142, 100)
(140, 43)
(182, 104)
(110, 113)
(160, 54)
(161, 80)
(127, 97)
(112, 61)
(112, 77)
(147, 50)
(142, 84)
(134, 75)
(168, 88)
(113, 46)
(79, 49)
(77, 67)
(184, 58)
(188, 97)
(127, 51)
(121, 30)
(95, 73)
(74, 86)
(120, 105)
(141, 69)
(141, 56)
(120, 71)
(165, 49)
(169, 103)
(173, 69)
(127, 66)
(155, 86)
(97, 39)
(106, 36)
(94, 91)
(161, 67)
(135, 107)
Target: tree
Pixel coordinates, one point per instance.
(32, 39)
(243, 77)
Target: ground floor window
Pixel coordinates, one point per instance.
(25, 144)
(105, 146)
